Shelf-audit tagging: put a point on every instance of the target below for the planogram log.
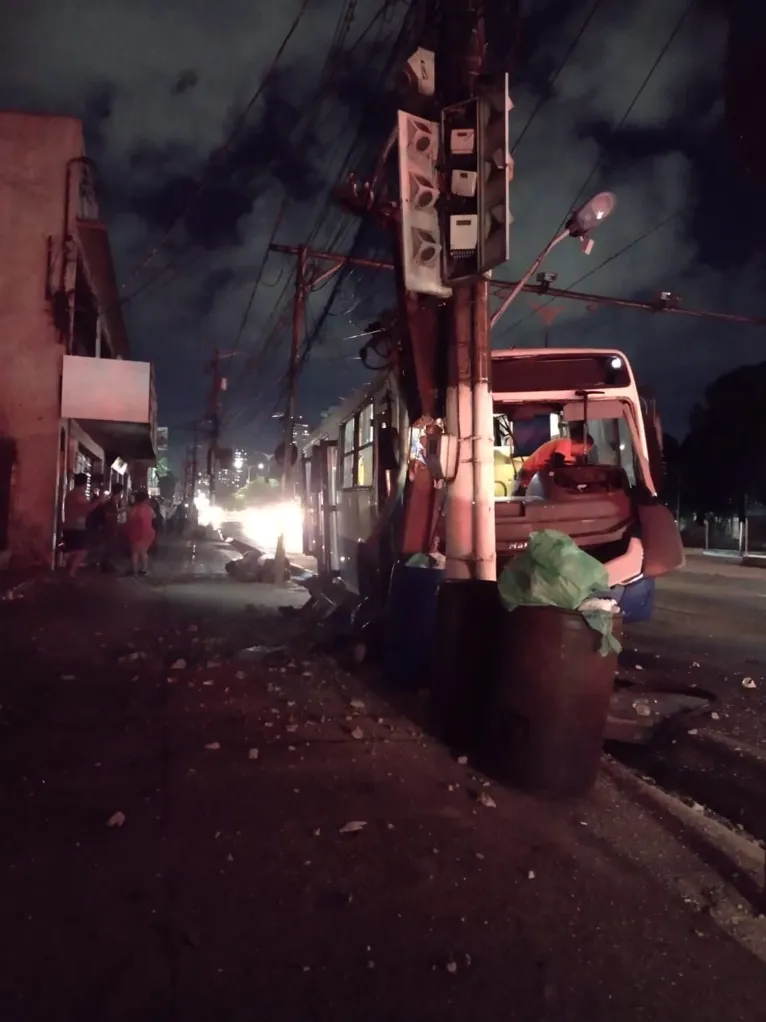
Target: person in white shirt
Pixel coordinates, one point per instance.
(75, 535)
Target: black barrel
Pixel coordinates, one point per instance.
(410, 625)
(549, 701)
(467, 619)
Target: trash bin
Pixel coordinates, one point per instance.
(469, 615)
(549, 701)
(410, 625)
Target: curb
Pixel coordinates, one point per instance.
(733, 557)
(727, 776)
(731, 749)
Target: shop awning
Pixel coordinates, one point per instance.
(131, 441)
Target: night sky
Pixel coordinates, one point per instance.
(161, 86)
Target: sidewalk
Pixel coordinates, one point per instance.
(695, 558)
(231, 893)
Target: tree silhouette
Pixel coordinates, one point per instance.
(723, 459)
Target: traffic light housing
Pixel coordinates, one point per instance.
(419, 145)
(478, 168)
(495, 173)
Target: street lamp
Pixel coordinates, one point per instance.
(579, 225)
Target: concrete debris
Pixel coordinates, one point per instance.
(357, 733)
(253, 754)
(213, 746)
(116, 820)
(462, 760)
(353, 826)
(486, 800)
(179, 665)
(262, 653)
(748, 683)
(357, 704)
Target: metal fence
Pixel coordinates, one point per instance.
(739, 535)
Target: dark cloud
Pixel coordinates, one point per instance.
(186, 80)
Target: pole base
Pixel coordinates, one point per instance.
(468, 615)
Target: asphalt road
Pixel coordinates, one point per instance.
(709, 629)
(175, 843)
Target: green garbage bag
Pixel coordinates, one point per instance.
(419, 561)
(554, 572)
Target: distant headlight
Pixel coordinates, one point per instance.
(263, 525)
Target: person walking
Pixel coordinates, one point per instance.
(140, 532)
(75, 531)
(112, 506)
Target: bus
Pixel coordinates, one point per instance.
(371, 500)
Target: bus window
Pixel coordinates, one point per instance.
(347, 475)
(613, 445)
(366, 430)
(349, 435)
(627, 453)
(347, 465)
(364, 466)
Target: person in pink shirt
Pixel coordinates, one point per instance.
(140, 532)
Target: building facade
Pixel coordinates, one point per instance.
(70, 399)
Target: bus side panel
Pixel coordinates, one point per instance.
(356, 518)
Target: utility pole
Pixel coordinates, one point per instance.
(301, 287)
(474, 186)
(469, 509)
(215, 421)
(195, 445)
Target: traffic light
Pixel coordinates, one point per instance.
(419, 189)
(495, 172)
(460, 205)
(478, 168)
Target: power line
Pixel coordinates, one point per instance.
(219, 153)
(248, 308)
(594, 269)
(272, 340)
(647, 78)
(565, 60)
(327, 75)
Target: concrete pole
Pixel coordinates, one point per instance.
(280, 559)
(483, 453)
(215, 422)
(469, 508)
(458, 510)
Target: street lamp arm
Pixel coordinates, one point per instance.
(525, 279)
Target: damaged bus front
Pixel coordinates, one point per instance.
(371, 499)
(602, 488)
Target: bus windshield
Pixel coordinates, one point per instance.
(523, 435)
